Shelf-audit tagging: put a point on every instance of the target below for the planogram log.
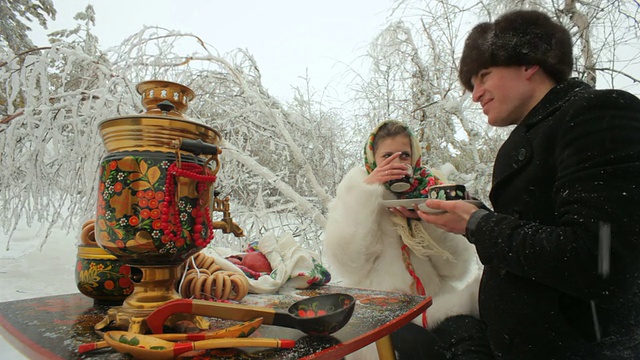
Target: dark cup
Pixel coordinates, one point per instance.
(403, 184)
(448, 192)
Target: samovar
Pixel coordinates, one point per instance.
(156, 197)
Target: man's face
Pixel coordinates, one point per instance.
(505, 94)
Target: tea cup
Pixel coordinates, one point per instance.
(402, 184)
(448, 192)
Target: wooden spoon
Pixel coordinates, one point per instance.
(148, 347)
(241, 330)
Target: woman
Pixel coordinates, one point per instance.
(371, 246)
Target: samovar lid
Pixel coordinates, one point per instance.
(162, 123)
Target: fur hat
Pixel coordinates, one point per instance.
(522, 37)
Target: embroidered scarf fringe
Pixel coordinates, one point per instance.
(417, 239)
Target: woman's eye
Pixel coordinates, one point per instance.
(405, 156)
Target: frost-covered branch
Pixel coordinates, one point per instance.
(57, 96)
(273, 179)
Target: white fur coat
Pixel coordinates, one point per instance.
(363, 250)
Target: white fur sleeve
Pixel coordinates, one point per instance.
(352, 236)
(463, 252)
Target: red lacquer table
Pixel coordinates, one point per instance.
(53, 327)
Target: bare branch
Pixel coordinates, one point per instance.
(11, 117)
(630, 77)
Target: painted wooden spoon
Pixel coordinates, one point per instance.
(148, 347)
(241, 330)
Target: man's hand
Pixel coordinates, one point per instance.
(455, 218)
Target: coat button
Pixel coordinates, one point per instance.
(522, 154)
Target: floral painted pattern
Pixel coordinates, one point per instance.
(324, 314)
(445, 194)
(106, 279)
(129, 218)
(318, 275)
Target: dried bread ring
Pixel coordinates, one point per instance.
(222, 285)
(197, 286)
(185, 286)
(226, 291)
(87, 236)
(207, 261)
(88, 222)
(208, 285)
(199, 258)
(199, 272)
(191, 289)
(239, 286)
(214, 267)
(208, 280)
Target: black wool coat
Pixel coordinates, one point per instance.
(562, 248)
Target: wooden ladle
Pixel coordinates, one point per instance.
(241, 330)
(315, 315)
(148, 347)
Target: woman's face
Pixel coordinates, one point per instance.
(392, 145)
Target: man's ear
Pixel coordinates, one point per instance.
(530, 70)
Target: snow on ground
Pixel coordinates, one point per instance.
(27, 271)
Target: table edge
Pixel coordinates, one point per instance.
(24, 345)
(345, 348)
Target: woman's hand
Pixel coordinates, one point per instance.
(388, 170)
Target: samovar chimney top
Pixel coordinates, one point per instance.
(160, 97)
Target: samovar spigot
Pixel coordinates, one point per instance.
(226, 224)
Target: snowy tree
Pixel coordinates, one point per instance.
(82, 35)
(54, 96)
(281, 162)
(13, 31)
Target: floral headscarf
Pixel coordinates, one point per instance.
(422, 177)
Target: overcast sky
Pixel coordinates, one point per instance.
(286, 37)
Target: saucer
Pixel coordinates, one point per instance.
(408, 203)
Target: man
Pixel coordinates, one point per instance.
(561, 250)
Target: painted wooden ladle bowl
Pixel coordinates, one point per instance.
(152, 348)
(236, 331)
(315, 315)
